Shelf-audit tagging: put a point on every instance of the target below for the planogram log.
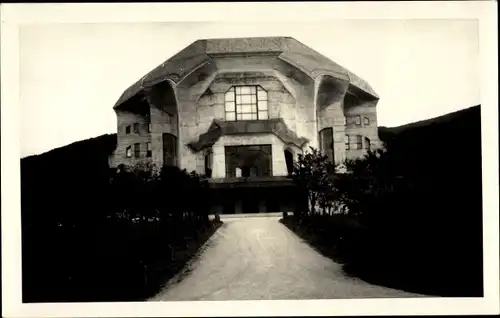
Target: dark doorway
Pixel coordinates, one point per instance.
(250, 202)
(289, 161)
(169, 150)
(245, 172)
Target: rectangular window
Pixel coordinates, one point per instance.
(246, 103)
(136, 128)
(359, 142)
(150, 127)
(366, 121)
(127, 129)
(128, 152)
(149, 150)
(347, 142)
(168, 118)
(137, 150)
(358, 120)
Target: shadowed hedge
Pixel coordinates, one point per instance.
(409, 217)
(93, 234)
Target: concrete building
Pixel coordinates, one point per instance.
(240, 110)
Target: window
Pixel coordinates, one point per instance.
(367, 144)
(208, 164)
(150, 127)
(248, 161)
(128, 152)
(326, 142)
(246, 103)
(136, 128)
(366, 121)
(359, 142)
(137, 150)
(358, 120)
(345, 121)
(168, 118)
(149, 150)
(347, 144)
(127, 130)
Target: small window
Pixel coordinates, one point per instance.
(358, 120)
(149, 150)
(136, 128)
(367, 144)
(347, 142)
(128, 152)
(366, 121)
(359, 142)
(345, 121)
(137, 150)
(127, 130)
(150, 127)
(168, 118)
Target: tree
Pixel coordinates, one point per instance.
(311, 174)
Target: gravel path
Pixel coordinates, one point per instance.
(255, 258)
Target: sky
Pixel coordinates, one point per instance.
(71, 75)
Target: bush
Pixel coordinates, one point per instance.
(101, 235)
(403, 227)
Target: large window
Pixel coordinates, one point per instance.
(248, 161)
(246, 103)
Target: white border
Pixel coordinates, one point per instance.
(15, 14)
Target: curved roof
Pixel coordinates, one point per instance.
(200, 52)
(220, 128)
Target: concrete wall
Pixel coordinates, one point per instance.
(330, 112)
(124, 140)
(199, 98)
(202, 101)
(368, 110)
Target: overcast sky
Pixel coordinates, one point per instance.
(72, 74)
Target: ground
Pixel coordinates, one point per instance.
(256, 258)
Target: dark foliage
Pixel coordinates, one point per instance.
(415, 210)
(92, 234)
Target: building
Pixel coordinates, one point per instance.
(240, 110)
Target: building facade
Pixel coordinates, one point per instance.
(240, 111)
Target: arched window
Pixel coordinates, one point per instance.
(326, 142)
(246, 103)
(169, 150)
(289, 161)
(367, 144)
(208, 163)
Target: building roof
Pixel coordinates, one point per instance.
(201, 52)
(220, 128)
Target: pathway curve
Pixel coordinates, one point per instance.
(256, 258)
